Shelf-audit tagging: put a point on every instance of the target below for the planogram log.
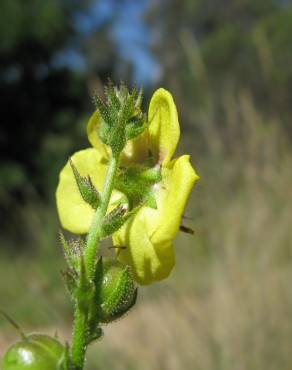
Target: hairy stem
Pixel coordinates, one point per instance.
(80, 326)
(93, 238)
(79, 339)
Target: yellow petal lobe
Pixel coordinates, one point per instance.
(74, 213)
(179, 178)
(149, 262)
(149, 234)
(92, 133)
(164, 128)
(136, 150)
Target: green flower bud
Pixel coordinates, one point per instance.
(121, 116)
(115, 290)
(35, 352)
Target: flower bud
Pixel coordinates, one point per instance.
(116, 291)
(121, 117)
(35, 352)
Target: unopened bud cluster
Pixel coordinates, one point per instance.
(121, 116)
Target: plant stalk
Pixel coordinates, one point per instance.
(80, 326)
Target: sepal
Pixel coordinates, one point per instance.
(136, 127)
(85, 289)
(150, 201)
(114, 220)
(95, 335)
(77, 283)
(116, 293)
(87, 190)
(137, 183)
(70, 279)
(72, 251)
(66, 362)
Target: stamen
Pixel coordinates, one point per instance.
(186, 230)
(118, 247)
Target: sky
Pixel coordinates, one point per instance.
(129, 32)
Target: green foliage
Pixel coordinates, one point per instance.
(42, 21)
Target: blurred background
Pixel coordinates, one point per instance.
(228, 303)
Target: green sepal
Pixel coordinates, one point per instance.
(84, 291)
(115, 290)
(66, 249)
(70, 278)
(94, 307)
(150, 201)
(114, 220)
(78, 285)
(136, 127)
(122, 201)
(138, 102)
(112, 98)
(151, 175)
(106, 112)
(135, 120)
(122, 310)
(66, 362)
(137, 182)
(121, 303)
(72, 251)
(95, 335)
(87, 190)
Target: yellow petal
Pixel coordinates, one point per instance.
(149, 234)
(135, 151)
(74, 213)
(178, 179)
(164, 128)
(149, 262)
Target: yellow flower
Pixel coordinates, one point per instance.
(147, 235)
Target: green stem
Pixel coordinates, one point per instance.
(93, 238)
(79, 338)
(80, 326)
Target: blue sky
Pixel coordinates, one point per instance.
(129, 32)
